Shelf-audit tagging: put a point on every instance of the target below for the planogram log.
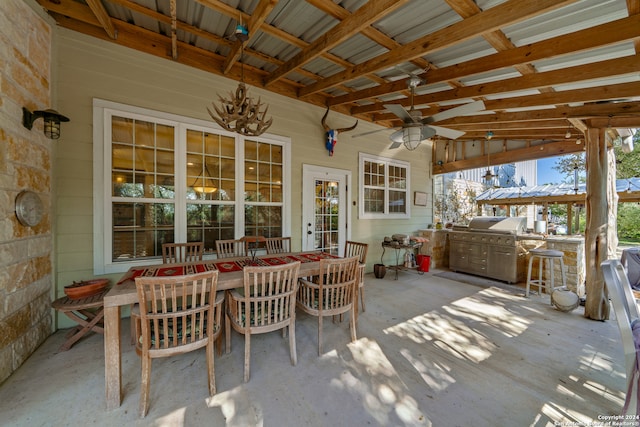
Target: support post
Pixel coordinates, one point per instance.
(598, 200)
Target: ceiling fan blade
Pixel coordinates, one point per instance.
(368, 133)
(446, 132)
(427, 132)
(396, 138)
(399, 111)
(471, 107)
(395, 144)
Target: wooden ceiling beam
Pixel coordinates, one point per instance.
(362, 18)
(103, 17)
(534, 152)
(73, 10)
(257, 18)
(614, 122)
(492, 19)
(594, 94)
(234, 13)
(601, 69)
(602, 35)
(621, 109)
(174, 30)
(497, 39)
(517, 134)
(556, 124)
(339, 12)
(158, 45)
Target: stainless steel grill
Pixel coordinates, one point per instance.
(487, 247)
(498, 224)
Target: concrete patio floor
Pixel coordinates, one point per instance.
(430, 352)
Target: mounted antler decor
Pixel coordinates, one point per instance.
(240, 114)
(332, 134)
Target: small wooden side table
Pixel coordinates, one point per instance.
(88, 312)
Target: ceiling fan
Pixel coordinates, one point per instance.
(416, 129)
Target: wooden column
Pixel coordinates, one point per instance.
(569, 218)
(596, 232)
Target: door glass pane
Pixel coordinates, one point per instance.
(327, 208)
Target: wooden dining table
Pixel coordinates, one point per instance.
(124, 293)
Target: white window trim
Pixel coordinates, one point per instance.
(102, 249)
(362, 157)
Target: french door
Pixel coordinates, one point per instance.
(326, 212)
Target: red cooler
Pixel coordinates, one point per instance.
(423, 262)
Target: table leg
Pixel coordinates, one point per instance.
(112, 357)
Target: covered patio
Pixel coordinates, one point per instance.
(430, 352)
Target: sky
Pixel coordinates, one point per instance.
(546, 173)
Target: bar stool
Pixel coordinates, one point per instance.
(547, 284)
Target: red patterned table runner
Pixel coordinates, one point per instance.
(179, 270)
(228, 266)
(223, 266)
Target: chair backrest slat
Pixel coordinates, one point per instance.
(182, 252)
(269, 293)
(174, 309)
(230, 248)
(336, 282)
(278, 245)
(358, 249)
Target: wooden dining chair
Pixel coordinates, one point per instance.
(231, 248)
(360, 250)
(627, 315)
(182, 252)
(333, 294)
(278, 245)
(178, 314)
(172, 253)
(266, 303)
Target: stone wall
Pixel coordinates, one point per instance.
(574, 261)
(25, 163)
(437, 248)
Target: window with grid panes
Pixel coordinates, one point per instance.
(169, 178)
(143, 187)
(384, 187)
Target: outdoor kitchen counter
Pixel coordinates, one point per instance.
(571, 246)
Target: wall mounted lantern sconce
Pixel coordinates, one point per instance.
(51, 118)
